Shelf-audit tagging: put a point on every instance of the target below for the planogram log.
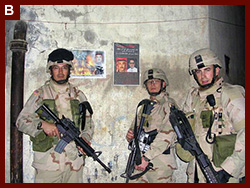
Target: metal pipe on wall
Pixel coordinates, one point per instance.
(18, 46)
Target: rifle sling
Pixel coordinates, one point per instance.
(150, 166)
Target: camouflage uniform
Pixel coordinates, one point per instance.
(229, 118)
(63, 99)
(163, 164)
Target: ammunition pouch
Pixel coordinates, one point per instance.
(222, 148)
(42, 142)
(51, 105)
(74, 104)
(207, 118)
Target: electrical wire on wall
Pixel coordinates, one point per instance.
(132, 23)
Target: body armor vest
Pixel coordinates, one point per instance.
(42, 142)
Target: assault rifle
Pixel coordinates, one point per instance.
(135, 154)
(187, 140)
(69, 132)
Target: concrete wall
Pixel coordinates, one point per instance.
(167, 35)
(227, 38)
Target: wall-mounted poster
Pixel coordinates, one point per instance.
(126, 64)
(89, 64)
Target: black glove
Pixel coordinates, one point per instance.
(223, 176)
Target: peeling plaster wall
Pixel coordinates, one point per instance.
(167, 35)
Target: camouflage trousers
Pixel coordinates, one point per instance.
(162, 172)
(66, 176)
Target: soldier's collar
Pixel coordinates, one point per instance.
(60, 88)
(160, 99)
(213, 89)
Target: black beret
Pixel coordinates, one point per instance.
(60, 54)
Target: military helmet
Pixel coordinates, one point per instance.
(155, 73)
(59, 55)
(202, 58)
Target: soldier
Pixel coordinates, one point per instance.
(161, 152)
(63, 99)
(216, 112)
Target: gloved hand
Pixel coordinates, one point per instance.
(223, 176)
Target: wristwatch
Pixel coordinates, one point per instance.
(39, 126)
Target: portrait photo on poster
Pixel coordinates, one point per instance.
(89, 64)
(126, 64)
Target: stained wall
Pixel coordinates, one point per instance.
(167, 35)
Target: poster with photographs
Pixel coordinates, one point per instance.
(89, 64)
(126, 64)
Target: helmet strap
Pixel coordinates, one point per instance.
(61, 81)
(155, 93)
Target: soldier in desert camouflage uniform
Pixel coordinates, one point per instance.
(63, 99)
(161, 152)
(219, 124)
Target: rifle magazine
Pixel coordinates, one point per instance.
(60, 146)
